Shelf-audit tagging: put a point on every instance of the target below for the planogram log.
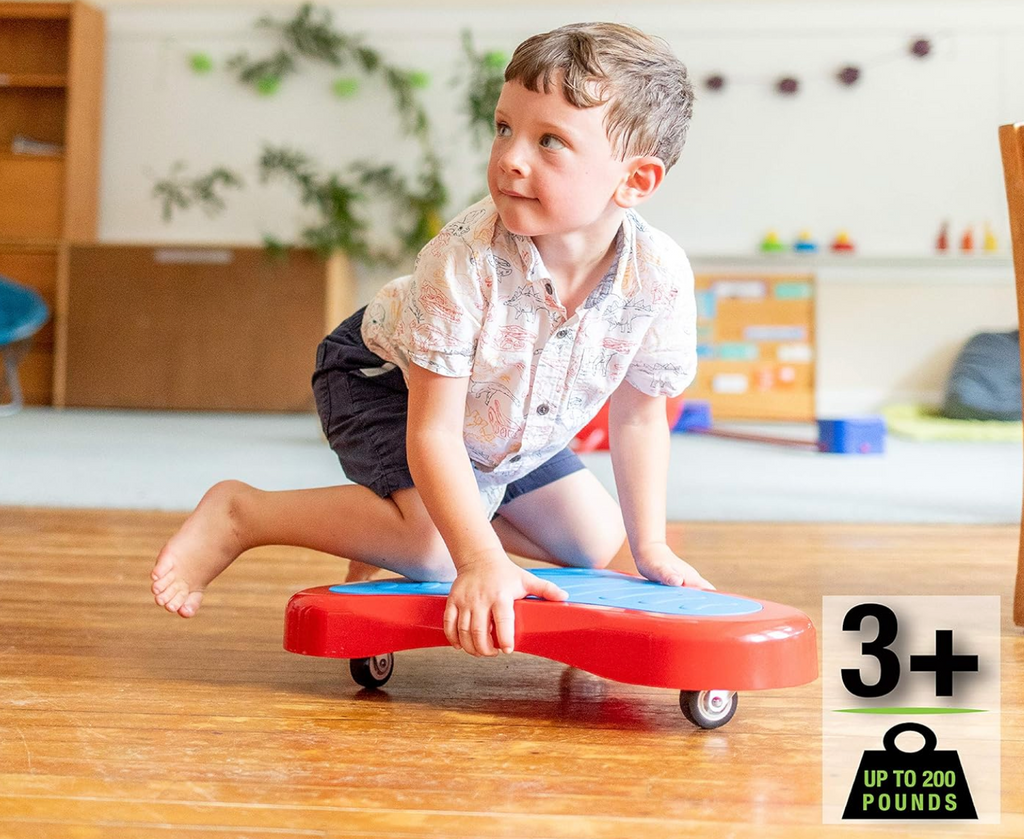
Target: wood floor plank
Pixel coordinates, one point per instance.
(118, 720)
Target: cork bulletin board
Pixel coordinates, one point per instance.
(755, 345)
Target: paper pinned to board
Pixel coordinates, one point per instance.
(744, 289)
(730, 383)
(794, 353)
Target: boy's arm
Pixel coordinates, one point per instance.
(638, 437)
(488, 581)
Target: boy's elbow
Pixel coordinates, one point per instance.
(632, 407)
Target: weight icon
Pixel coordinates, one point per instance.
(894, 784)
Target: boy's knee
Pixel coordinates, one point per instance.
(426, 544)
(602, 545)
(609, 549)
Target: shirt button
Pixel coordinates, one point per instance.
(515, 458)
(550, 289)
(543, 409)
(561, 333)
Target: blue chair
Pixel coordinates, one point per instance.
(22, 314)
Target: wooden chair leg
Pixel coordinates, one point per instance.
(1018, 590)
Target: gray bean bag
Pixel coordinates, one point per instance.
(985, 381)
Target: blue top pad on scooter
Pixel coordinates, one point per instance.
(596, 588)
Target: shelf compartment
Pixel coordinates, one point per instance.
(31, 197)
(33, 46)
(39, 113)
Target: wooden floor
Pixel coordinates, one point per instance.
(118, 720)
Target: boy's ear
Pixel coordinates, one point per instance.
(645, 176)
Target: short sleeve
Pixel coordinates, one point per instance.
(439, 324)
(667, 359)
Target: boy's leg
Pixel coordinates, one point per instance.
(350, 521)
(572, 521)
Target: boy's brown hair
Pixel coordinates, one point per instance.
(651, 98)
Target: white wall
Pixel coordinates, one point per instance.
(896, 342)
(910, 145)
(914, 143)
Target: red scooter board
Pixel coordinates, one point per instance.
(707, 644)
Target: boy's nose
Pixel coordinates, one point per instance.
(513, 162)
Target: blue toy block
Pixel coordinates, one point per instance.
(696, 416)
(852, 436)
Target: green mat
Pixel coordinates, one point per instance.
(921, 422)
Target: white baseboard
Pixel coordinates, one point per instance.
(858, 402)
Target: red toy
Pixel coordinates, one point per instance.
(594, 435)
(967, 241)
(706, 644)
(842, 243)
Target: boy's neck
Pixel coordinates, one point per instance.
(579, 260)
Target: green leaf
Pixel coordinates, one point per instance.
(200, 62)
(345, 88)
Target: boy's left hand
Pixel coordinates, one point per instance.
(660, 565)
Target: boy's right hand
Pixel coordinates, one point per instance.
(482, 597)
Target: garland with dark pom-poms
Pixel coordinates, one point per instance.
(848, 76)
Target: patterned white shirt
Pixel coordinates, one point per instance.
(481, 304)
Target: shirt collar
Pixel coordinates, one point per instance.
(624, 271)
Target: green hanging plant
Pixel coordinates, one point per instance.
(342, 200)
(176, 191)
(254, 73)
(486, 75)
(310, 35)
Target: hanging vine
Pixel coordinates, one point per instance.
(177, 191)
(341, 199)
(485, 77)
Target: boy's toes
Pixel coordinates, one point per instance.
(191, 604)
(177, 600)
(164, 566)
(171, 590)
(161, 585)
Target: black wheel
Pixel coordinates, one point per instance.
(372, 672)
(708, 708)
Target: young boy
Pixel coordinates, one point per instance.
(451, 399)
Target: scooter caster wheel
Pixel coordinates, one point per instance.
(708, 708)
(372, 672)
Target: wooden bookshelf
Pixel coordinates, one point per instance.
(51, 91)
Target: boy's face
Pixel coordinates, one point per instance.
(552, 168)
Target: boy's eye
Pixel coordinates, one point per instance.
(502, 130)
(551, 142)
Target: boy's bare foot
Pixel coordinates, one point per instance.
(359, 572)
(207, 543)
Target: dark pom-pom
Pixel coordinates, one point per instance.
(787, 86)
(715, 82)
(921, 47)
(849, 75)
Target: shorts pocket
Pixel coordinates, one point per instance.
(323, 398)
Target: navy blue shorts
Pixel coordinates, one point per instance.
(363, 405)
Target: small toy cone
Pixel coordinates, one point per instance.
(942, 242)
(991, 242)
(771, 242)
(967, 241)
(805, 243)
(842, 243)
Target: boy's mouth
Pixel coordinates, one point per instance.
(511, 193)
